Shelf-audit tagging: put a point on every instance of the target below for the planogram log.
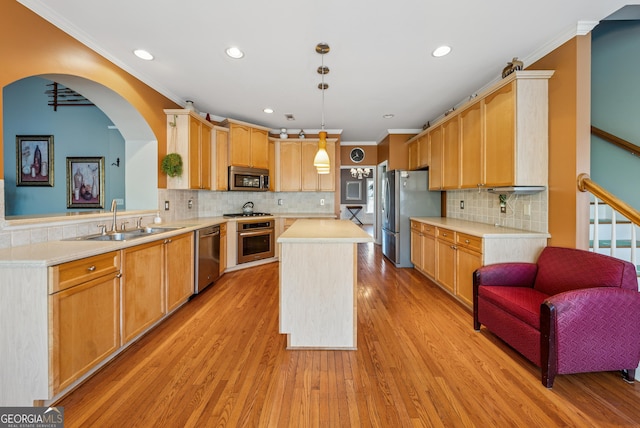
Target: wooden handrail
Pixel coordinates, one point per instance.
(585, 184)
(623, 144)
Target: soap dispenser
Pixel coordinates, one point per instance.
(157, 219)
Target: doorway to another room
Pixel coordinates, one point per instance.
(357, 197)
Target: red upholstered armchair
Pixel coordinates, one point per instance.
(573, 311)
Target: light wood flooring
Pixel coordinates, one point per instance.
(220, 361)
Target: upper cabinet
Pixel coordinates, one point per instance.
(221, 159)
(294, 166)
(248, 144)
(499, 138)
(190, 135)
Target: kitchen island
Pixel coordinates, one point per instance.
(318, 282)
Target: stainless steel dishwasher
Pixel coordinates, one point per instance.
(207, 268)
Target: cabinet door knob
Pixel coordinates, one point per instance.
(119, 275)
(91, 268)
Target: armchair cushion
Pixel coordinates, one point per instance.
(523, 303)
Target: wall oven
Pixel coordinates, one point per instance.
(251, 179)
(255, 240)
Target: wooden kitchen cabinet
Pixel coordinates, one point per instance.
(189, 135)
(446, 258)
(468, 259)
(449, 256)
(143, 291)
(413, 155)
(221, 176)
(223, 247)
(295, 171)
(499, 121)
(423, 151)
(435, 158)
(450, 154)
(429, 249)
(84, 317)
(416, 244)
(471, 151)
(178, 269)
(290, 166)
(248, 144)
(327, 182)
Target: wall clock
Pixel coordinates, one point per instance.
(356, 155)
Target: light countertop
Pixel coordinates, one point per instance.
(324, 230)
(55, 252)
(483, 230)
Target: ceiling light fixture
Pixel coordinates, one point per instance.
(268, 110)
(142, 54)
(321, 160)
(388, 116)
(441, 51)
(234, 52)
(360, 172)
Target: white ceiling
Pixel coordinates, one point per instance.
(380, 57)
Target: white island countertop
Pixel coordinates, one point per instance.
(324, 230)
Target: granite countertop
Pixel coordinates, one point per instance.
(324, 230)
(483, 230)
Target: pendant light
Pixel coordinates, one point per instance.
(321, 160)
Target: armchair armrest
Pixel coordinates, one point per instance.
(517, 274)
(590, 329)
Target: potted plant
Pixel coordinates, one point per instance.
(172, 165)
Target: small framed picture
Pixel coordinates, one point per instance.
(85, 182)
(34, 160)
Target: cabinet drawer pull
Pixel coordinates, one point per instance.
(91, 268)
(444, 234)
(466, 241)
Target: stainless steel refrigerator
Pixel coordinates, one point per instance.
(405, 194)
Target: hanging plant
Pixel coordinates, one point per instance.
(172, 165)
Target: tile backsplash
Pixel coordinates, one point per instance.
(528, 212)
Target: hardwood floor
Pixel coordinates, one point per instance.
(219, 361)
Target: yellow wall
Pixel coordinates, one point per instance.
(31, 46)
(569, 140)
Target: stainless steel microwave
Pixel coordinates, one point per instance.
(251, 179)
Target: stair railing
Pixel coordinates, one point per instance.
(585, 184)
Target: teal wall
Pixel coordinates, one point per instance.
(615, 106)
(77, 131)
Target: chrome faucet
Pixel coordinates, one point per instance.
(114, 208)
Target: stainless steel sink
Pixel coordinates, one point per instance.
(108, 237)
(125, 235)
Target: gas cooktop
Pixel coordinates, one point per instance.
(246, 215)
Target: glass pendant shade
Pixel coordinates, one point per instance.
(321, 160)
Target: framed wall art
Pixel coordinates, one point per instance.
(34, 160)
(85, 182)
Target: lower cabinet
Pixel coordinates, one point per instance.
(84, 317)
(157, 278)
(143, 301)
(449, 257)
(446, 257)
(179, 269)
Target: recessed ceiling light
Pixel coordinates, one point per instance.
(142, 54)
(268, 110)
(234, 52)
(441, 51)
(388, 116)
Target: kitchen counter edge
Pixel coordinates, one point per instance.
(482, 230)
